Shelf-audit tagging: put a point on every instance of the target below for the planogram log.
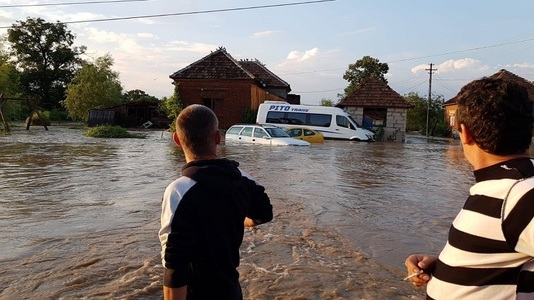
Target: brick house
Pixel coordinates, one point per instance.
(451, 105)
(229, 87)
(375, 105)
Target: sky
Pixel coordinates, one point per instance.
(309, 44)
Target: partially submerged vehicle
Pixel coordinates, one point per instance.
(332, 122)
(261, 134)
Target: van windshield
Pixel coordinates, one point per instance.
(354, 121)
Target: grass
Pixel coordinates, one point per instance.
(108, 131)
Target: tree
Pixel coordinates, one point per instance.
(416, 118)
(172, 106)
(326, 102)
(45, 57)
(139, 95)
(9, 77)
(93, 86)
(363, 69)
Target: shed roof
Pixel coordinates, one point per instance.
(221, 65)
(505, 75)
(374, 93)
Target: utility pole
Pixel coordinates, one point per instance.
(429, 96)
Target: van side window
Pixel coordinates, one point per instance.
(296, 118)
(342, 121)
(320, 120)
(275, 117)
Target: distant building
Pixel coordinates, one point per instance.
(230, 87)
(452, 105)
(130, 115)
(375, 105)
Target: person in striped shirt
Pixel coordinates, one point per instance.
(490, 248)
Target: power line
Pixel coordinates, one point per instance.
(69, 3)
(193, 12)
(462, 51)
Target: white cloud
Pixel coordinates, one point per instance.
(263, 34)
(357, 32)
(453, 65)
(302, 56)
(523, 66)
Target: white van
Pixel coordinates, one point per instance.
(332, 122)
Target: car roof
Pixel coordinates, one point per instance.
(256, 125)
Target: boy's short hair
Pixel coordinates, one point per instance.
(498, 114)
(196, 126)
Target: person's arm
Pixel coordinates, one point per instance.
(174, 293)
(417, 262)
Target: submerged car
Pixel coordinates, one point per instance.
(261, 134)
(305, 134)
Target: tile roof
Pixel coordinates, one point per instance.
(216, 65)
(506, 75)
(263, 74)
(375, 93)
(221, 65)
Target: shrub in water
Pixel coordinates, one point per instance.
(44, 120)
(108, 131)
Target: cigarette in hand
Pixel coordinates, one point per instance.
(413, 275)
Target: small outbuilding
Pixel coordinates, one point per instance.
(376, 106)
(140, 114)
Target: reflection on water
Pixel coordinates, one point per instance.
(80, 216)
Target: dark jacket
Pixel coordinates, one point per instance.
(202, 227)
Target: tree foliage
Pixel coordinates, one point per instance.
(417, 116)
(326, 102)
(139, 95)
(9, 77)
(93, 86)
(172, 106)
(45, 57)
(363, 69)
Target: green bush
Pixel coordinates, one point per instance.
(108, 131)
(57, 115)
(249, 116)
(44, 120)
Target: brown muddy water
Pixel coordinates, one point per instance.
(79, 216)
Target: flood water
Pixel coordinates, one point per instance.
(79, 216)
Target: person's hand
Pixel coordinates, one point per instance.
(416, 263)
(249, 222)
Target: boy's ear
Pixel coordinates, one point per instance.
(176, 139)
(218, 137)
(465, 135)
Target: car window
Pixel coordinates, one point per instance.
(234, 130)
(259, 133)
(247, 131)
(308, 132)
(276, 132)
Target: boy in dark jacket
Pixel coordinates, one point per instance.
(204, 213)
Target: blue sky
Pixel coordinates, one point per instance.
(309, 45)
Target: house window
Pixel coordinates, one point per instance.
(374, 117)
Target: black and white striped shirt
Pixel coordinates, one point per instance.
(490, 250)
